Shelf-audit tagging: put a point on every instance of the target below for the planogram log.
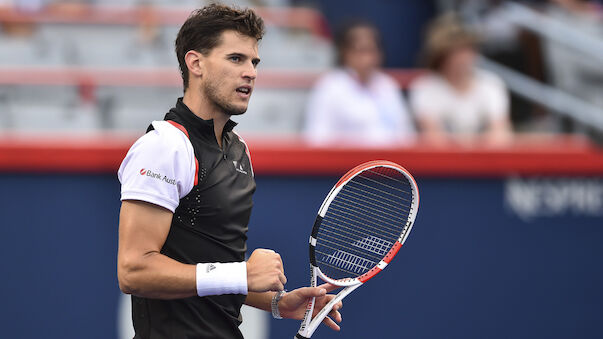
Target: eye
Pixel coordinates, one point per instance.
(235, 58)
(255, 63)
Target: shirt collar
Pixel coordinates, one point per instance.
(196, 122)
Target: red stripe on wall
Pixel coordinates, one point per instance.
(104, 153)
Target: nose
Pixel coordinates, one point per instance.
(250, 72)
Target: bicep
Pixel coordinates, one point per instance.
(143, 229)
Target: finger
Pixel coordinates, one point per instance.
(329, 322)
(335, 315)
(280, 260)
(329, 287)
(278, 287)
(282, 278)
(309, 292)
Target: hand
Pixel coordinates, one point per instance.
(293, 304)
(265, 271)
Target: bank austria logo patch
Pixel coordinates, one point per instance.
(158, 176)
(239, 167)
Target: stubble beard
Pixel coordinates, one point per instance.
(211, 91)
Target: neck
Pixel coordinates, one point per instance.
(362, 77)
(460, 82)
(206, 110)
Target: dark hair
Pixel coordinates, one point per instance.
(343, 38)
(202, 30)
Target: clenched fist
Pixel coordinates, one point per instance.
(265, 271)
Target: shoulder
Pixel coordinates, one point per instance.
(164, 137)
(167, 133)
(333, 79)
(164, 146)
(427, 81)
(487, 78)
(159, 168)
(238, 138)
(385, 81)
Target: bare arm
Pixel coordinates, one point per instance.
(432, 130)
(499, 132)
(260, 300)
(141, 269)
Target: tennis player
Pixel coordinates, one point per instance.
(186, 196)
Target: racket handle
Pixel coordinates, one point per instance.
(299, 336)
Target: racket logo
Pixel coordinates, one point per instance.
(374, 244)
(349, 261)
(143, 171)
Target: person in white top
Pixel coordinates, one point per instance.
(357, 104)
(455, 100)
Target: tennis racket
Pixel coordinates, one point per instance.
(361, 225)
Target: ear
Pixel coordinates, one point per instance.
(195, 64)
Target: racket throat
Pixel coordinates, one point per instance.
(308, 327)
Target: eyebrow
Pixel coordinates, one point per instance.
(255, 60)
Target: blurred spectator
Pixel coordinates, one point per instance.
(357, 104)
(455, 100)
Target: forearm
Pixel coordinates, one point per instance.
(155, 275)
(260, 300)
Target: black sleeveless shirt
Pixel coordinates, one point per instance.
(209, 225)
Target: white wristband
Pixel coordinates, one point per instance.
(221, 278)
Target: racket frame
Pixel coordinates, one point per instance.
(309, 325)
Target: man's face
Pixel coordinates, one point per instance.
(230, 72)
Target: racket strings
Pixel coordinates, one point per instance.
(367, 230)
(378, 194)
(391, 212)
(378, 190)
(393, 187)
(356, 231)
(376, 223)
(403, 182)
(373, 197)
(346, 261)
(363, 222)
(360, 199)
(377, 246)
(346, 272)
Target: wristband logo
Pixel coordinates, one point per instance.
(157, 176)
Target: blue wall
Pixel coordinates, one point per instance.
(470, 269)
(401, 24)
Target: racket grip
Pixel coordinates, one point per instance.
(299, 336)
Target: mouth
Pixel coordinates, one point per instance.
(244, 91)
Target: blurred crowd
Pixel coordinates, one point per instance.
(552, 47)
(456, 101)
(452, 101)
